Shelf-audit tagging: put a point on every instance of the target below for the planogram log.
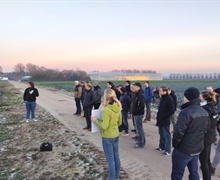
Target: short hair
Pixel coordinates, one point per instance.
(164, 88)
(129, 82)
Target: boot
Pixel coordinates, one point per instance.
(213, 171)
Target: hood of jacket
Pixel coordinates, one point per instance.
(114, 107)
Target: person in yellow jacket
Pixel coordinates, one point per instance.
(108, 124)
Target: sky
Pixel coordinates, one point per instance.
(164, 36)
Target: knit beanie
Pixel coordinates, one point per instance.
(191, 93)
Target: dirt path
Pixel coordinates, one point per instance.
(140, 164)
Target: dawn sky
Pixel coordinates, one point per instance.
(165, 36)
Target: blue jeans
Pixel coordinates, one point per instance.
(139, 128)
(165, 138)
(179, 161)
(110, 146)
(78, 106)
(30, 109)
(125, 120)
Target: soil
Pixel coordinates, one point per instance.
(58, 108)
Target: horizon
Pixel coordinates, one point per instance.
(164, 36)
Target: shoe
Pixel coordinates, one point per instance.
(135, 137)
(158, 149)
(85, 128)
(34, 120)
(165, 153)
(89, 129)
(27, 120)
(145, 121)
(138, 146)
(124, 134)
(133, 130)
(213, 171)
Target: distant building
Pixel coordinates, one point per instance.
(26, 78)
(117, 76)
(195, 76)
(4, 78)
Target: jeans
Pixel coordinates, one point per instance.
(110, 146)
(179, 161)
(148, 112)
(165, 138)
(125, 120)
(216, 159)
(139, 128)
(30, 109)
(78, 106)
(205, 162)
(88, 112)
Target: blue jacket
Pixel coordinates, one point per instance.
(148, 94)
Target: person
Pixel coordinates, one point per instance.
(188, 136)
(216, 159)
(208, 102)
(109, 123)
(29, 97)
(128, 87)
(138, 113)
(97, 95)
(156, 96)
(110, 85)
(173, 95)
(88, 105)
(148, 94)
(77, 96)
(131, 109)
(125, 102)
(82, 84)
(165, 111)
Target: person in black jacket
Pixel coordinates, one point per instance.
(112, 86)
(138, 113)
(188, 136)
(165, 111)
(29, 97)
(208, 102)
(88, 105)
(173, 116)
(126, 103)
(97, 94)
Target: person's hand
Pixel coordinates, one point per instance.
(93, 118)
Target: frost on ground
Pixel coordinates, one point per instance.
(20, 158)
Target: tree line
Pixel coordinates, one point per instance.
(40, 73)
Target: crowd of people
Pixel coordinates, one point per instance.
(195, 129)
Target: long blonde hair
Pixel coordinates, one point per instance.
(110, 96)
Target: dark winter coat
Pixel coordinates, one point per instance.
(212, 109)
(139, 104)
(89, 98)
(165, 110)
(30, 94)
(173, 95)
(97, 94)
(125, 102)
(190, 129)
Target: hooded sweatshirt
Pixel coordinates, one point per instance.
(111, 120)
